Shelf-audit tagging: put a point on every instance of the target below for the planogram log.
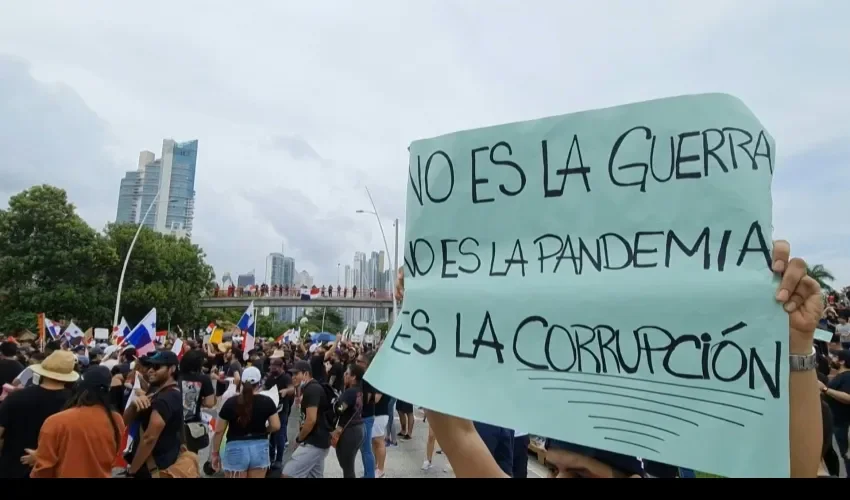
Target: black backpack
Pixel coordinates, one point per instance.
(328, 413)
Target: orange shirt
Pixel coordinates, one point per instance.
(78, 442)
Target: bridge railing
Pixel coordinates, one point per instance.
(296, 294)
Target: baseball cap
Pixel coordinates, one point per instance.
(301, 366)
(96, 377)
(251, 375)
(161, 358)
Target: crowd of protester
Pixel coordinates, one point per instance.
(102, 410)
(329, 291)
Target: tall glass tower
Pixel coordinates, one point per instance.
(173, 177)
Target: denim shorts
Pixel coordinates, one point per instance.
(241, 456)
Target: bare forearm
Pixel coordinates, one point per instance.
(306, 429)
(467, 453)
(142, 454)
(806, 435)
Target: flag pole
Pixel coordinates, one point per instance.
(41, 330)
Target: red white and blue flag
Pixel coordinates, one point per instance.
(246, 324)
(144, 335)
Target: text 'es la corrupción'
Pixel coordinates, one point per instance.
(545, 345)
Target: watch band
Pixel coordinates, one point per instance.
(803, 363)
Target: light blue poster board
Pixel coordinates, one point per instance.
(823, 335)
(573, 278)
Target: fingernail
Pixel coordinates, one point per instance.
(782, 296)
(790, 306)
(778, 266)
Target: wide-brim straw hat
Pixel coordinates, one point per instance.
(277, 354)
(58, 366)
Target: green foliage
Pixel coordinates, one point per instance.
(165, 272)
(821, 275)
(333, 321)
(51, 261)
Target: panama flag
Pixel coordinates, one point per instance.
(120, 332)
(73, 334)
(52, 328)
(142, 337)
(246, 324)
(178, 348)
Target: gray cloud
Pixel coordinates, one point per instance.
(48, 135)
(297, 148)
(319, 100)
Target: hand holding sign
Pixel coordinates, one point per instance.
(610, 268)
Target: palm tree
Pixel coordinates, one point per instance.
(821, 275)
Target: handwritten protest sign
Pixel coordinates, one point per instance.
(601, 278)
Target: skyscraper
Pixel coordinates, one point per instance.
(288, 271)
(274, 269)
(246, 280)
(274, 276)
(173, 177)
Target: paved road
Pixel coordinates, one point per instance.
(404, 460)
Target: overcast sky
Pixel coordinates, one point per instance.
(299, 105)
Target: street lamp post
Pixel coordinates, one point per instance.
(386, 247)
(127, 259)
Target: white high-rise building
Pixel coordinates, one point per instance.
(172, 176)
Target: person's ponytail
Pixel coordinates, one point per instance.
(245, 404)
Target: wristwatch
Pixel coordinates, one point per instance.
(803, 363)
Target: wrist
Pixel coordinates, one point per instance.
(800, 348)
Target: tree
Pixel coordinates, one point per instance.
(333, 321)
(165, 272)
(821, 275)
(51, 261)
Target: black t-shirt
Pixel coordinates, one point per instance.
(312, 395)
(281, 382)
(840, 411)
(338, 374)
(22, 414)
(195, 387)
(261, 409)
(234, 367)
(382, 407)
(317, 366)
(369, 393)
(9, 369)
(169, 405)
(349, 407)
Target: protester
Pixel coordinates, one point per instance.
(405, 419)
(837, 396)
(10, 367)
(379, 432)
(248, 419)
(313, 441)
(279, 379)
(23, 412)
(369, 395)
(348, 434)
(160, 412)
(198, 392)
(82, 440)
